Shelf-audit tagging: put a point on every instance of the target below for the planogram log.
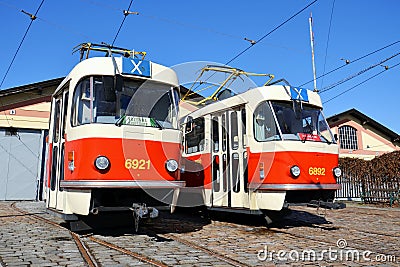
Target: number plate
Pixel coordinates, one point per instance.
(137, 164)
(316, 171)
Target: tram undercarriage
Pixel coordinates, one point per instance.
(127, 204)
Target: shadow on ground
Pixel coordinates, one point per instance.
(118, 224)
(186, 220)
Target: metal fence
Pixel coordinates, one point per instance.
(373, 181)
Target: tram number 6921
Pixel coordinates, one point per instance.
(316, 171)
(137, 164)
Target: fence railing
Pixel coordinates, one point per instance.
(372, 181)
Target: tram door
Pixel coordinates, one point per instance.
(55, 197)
(229, 159)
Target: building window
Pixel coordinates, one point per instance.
(348, 137)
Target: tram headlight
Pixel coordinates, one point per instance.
(171, 165)
(295, 171)
(102, 163)
(337, 172)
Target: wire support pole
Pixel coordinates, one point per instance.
(312, 53)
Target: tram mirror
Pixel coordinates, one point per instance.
(336, 137)
(189, 126)
(118, 83)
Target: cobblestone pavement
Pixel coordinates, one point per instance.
(355, 236)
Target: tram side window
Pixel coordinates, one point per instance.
(103, 102)
(194, 137)
(264, 125)
(235, 172)
(54, 169)
(244, 127)
(65, 113)
(57, 118)
(215, 134)
(81, 108)
(234, 131)
(216, 174)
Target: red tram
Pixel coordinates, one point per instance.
(114, 140)
(259, 150)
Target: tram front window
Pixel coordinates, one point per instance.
(304, 123)
(136, 103)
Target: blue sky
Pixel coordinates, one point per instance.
(174, 32)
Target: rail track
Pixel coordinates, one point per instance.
(230, 242)
(91, 260)
(83, 247)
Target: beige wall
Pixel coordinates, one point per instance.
(34, 116)
(370, 143)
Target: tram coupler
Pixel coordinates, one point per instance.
(326, 204)
(140, 212)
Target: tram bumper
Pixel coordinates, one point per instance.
(312, 195)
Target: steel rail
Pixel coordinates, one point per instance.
(84, 249)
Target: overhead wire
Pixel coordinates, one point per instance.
(366, 80)
(323, 90)
(327, 41)
(51, 23)
(32, 17)
(122, 23)
(352, 61)
(270, 32)
(262, 38)
(196, 27)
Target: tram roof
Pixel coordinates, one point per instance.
(259, 94)
(118, 65)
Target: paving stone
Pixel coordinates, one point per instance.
(26, 241)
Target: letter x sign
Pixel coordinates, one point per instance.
(136, 66)
(298, 93)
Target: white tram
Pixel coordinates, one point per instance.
(114, 141)
(259, 150)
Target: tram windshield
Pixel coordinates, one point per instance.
(134, 102)
(275, 120)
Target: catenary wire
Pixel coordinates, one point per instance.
(122, 23)
(355, 60)
(270, 32)
(20, 44)
(262, 38)
(366, 80)
(327, 41)
(323, 90)
(33, 17)
(196, 27)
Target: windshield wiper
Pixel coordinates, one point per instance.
(306, 134)
(157, 123)
(120, 121)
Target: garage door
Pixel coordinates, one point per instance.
(20, 163)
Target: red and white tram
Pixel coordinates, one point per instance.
(259, 150)
(114, 139)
